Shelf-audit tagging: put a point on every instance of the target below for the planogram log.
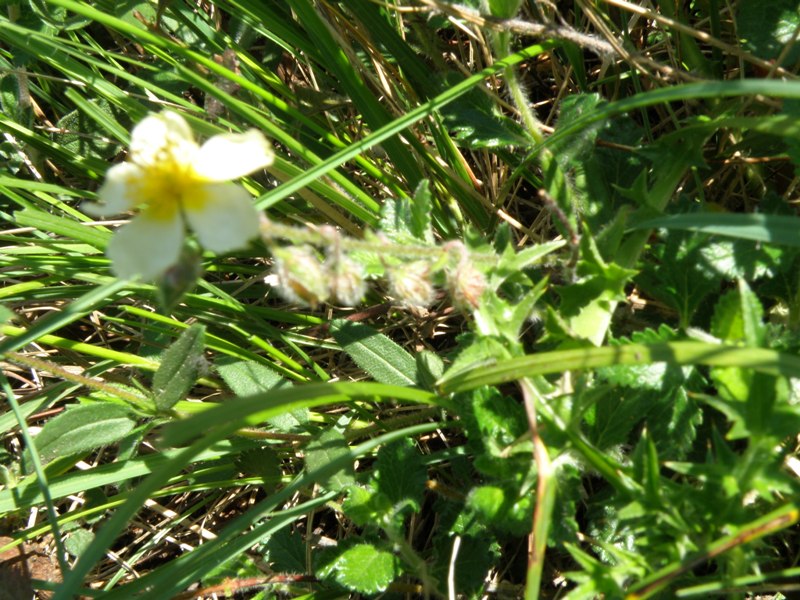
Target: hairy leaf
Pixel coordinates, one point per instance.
(379, 356)
(246, 377)
(364, 568)
(327, 447)
(400, 474)
(181, 364)
(83, 428)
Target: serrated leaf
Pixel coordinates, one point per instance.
(261, 462)
(81, 135)
(672, 421)
(421, 210)
(364, 506)
(501, 508)
(738, 317)
(401, 475)
(180, 367)
(401, 222)
(379, 356)
(364, 568)
(653, 376)
(285, 551)
(679, 275)
(495, 426)
(83, 428)
(329, 446)
(246, 377)
(616, 413)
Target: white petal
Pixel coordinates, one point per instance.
(232, 155)
(165, 137)
(145, 247)
(114, 196)
(226, 220)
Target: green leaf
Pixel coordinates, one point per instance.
(766, 29)
(769, 229)
(62, 226)
(475, 122)
(421, 210)
(363, 568)
(652, 376)
(430, 367)
(379, 356)
(77, 541)
(738, 317)
(501, 508)
(472, 563)
(180, 367)
(571, 151)
(240, 566)
(85, 131)
(495, 426)
(504, 9)
(285, 551)
(401, 474)
(247, 377)
(364, 506)
(679, 274)
(329, 446)
(672, 420)
(261, 462)
(83, 428)
(6, 314)
(408, 221)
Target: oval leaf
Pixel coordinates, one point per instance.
(379, 356)
(83, 428)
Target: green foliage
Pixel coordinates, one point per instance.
(180, 366)
(400, 475)
(379, 356)
(327, 448)
(615, 378)
(245, 378)
(80, 429)
(476, 123)
(362, 567)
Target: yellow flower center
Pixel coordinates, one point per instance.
(167, 188)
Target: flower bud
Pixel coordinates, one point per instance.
(300, 276)
(466, 284)
(411, 284)
(347, 282)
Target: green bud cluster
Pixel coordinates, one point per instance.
(316, 265)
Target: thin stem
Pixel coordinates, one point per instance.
(545, 495)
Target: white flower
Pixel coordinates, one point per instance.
(173, 183)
